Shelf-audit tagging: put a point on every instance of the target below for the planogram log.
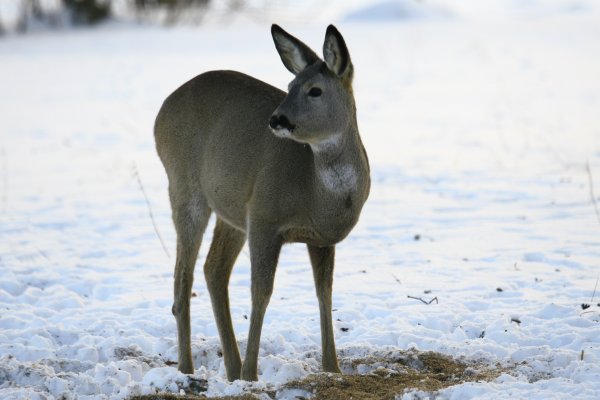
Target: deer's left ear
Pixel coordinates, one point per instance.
(336, 54)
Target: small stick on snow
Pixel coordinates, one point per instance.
(139, 180)
(592, 195)
(396, 279)
(425, 301)
(587, 306)
(595, 287)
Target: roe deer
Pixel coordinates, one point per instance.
(275, 168)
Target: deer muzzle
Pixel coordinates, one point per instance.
(281, 122)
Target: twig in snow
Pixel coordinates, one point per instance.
(585, 306)
(425, 301)
(595, 287)
(592, 195)
(397, 279)
(139, 180)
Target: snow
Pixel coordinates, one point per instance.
(479, 132)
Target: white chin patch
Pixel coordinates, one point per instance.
(282, 133)
(330, 143)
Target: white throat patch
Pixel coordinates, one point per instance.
(338, 178)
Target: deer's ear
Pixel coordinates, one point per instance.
(295, 55)
(336, 54)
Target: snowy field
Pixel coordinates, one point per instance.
(480, 127)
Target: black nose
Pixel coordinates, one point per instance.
(280, 122)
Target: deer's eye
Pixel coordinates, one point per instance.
(315, 92)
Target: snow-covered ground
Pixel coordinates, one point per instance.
(479, 126)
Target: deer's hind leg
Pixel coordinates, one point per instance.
(226, 245)
(190, 216)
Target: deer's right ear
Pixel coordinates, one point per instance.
(295, 55)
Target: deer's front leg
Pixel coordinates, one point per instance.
(265, 247)
(322, 260)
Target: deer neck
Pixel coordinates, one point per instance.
(337, 162)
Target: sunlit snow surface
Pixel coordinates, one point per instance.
(478, 132)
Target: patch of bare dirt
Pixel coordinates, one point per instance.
(379, 376)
